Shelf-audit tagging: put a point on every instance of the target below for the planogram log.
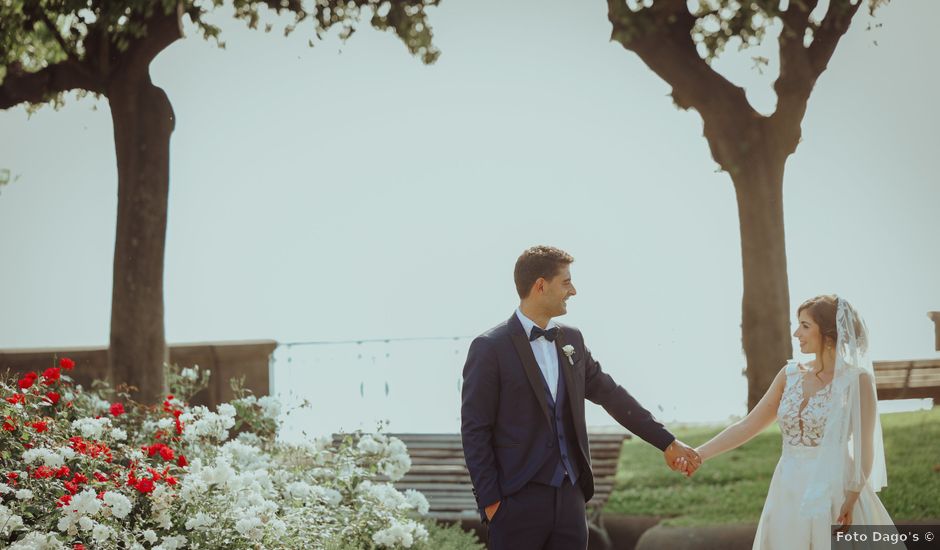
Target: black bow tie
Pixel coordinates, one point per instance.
(549, 334)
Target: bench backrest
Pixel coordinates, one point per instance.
(918, 379)
(438, 470)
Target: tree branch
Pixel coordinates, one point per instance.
(833, 26)
(662, 37)
(795, 82)
(800, 67)
(796, 17)
(22, 87)
(162, 29)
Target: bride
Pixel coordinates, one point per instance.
(833, 455)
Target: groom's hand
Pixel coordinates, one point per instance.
(490, 510)
(682, 458)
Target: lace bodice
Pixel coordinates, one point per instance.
(802, 420)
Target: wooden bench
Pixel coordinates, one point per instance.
(438, 470)
(918, 379)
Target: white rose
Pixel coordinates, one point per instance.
(120, 504)
(101, 533)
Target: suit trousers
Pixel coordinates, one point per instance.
(540, 517)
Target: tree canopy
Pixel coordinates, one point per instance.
(48, 47)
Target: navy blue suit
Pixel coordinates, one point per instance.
(510, 425)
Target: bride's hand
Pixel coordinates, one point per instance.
(845, 514)
(701, 454)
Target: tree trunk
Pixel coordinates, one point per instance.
(143, 122)
(765, 327)
(751, 147)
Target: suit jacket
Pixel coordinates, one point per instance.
(506, 427)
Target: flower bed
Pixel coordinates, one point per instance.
(89, 468)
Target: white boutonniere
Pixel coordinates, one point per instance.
(569, 352)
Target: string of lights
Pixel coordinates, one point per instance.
(373, 340)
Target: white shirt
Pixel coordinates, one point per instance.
(545, 353)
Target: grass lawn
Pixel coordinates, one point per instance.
(731, 487)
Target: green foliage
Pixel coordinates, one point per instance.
(90, 35)
(720, 22)
(449, 537)
(184, 383)
(731, 488)
(440, 537)
(6, 177)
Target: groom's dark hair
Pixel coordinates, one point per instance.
(538, 261)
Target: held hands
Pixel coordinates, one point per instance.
(682, 458)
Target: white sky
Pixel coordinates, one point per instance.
(348, 191)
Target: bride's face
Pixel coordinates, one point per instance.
(808, 334)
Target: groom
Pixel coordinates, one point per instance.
(522, 418)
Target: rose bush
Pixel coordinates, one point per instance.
(89, 468)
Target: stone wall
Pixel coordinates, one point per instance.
(226, 360)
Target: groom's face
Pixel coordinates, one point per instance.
(556, 291)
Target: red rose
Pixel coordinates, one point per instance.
(64, 500)
(8, 424)
(26, 382)
(181, 462)
(43, 472)
(78, 546)
(50, 376)
(117, 409)
(170, 480)
(39, 426)
(52, 397)
(166, 453)
(100, 477)
(16, 398)
(145, 485)
(63, 472)
(66, 363)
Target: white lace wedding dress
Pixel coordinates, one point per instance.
(802, 420)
